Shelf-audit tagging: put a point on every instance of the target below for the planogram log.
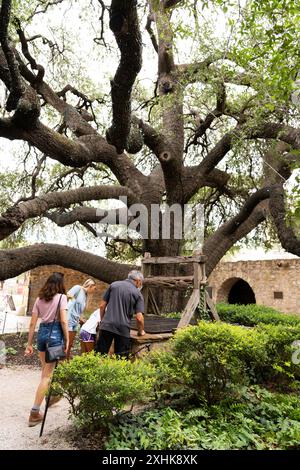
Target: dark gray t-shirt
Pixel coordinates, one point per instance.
(123, 300)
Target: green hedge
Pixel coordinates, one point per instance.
(251, 315)
(258, 420)
(210, 360)
(97, 387)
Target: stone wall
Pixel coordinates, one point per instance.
(39, 275)
(269, 279)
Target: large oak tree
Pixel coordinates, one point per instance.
(217, 126)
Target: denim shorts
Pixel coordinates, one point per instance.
(73, 322)
(72, 326)
(56, 338)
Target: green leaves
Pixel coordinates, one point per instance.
(257, 419)
(251, 315)
(209, 361)
(95, 386)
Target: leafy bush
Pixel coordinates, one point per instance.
(205, 361)
(251, 315)
(278, 365)
(259, 420)
(210, 360)
(96, 386)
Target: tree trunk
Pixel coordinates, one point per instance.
(168, 300)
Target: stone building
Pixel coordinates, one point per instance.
(274, 283)
(39, 275)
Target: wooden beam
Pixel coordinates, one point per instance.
(152, 298)
(174, 259)
(212, 307)
(197, 275)
(190, 308)
(180, 282)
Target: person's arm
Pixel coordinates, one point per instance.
(104, 302)
(140, 323)
(139, 309)
(64, 325)
(33, 322)
(102, 308)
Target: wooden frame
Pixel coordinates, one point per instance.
(198, 281)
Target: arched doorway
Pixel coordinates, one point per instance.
(241, 293)
(236, 291)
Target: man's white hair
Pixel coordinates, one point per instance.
(136, 275)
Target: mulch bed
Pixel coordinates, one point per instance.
(15, 344)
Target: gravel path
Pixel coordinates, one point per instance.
(17, 388)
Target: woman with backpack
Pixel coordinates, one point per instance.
(50, 307)
(78, 295)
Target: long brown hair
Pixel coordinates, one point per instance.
(54, 285)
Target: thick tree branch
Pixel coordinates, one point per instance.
(22, 98)
(73, 119)
(77, 153)
(288, 239)
(16, 85)
(193, 180)
(15, 216)
(271, 130)
(17, 261)
(124, 24)
(253, 213)
(90, 215)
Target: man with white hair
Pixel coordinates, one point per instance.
(120, 302)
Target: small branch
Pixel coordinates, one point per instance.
(101, 19)
(47, 5)
(151, 32)
(33, 64)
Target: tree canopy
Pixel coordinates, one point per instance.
(156, 101)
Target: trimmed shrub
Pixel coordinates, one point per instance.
(205, 361)
(99, 386)
(210, 360)
(278, 365)
(251, 315)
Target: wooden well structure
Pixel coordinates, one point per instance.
(199, 297)
(197, 283)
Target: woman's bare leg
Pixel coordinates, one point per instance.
(47, 371)
(89, 346)
(72, 335)
(82, 347)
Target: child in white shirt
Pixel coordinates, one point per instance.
(88, 332)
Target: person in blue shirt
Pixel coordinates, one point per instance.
(78, 299)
